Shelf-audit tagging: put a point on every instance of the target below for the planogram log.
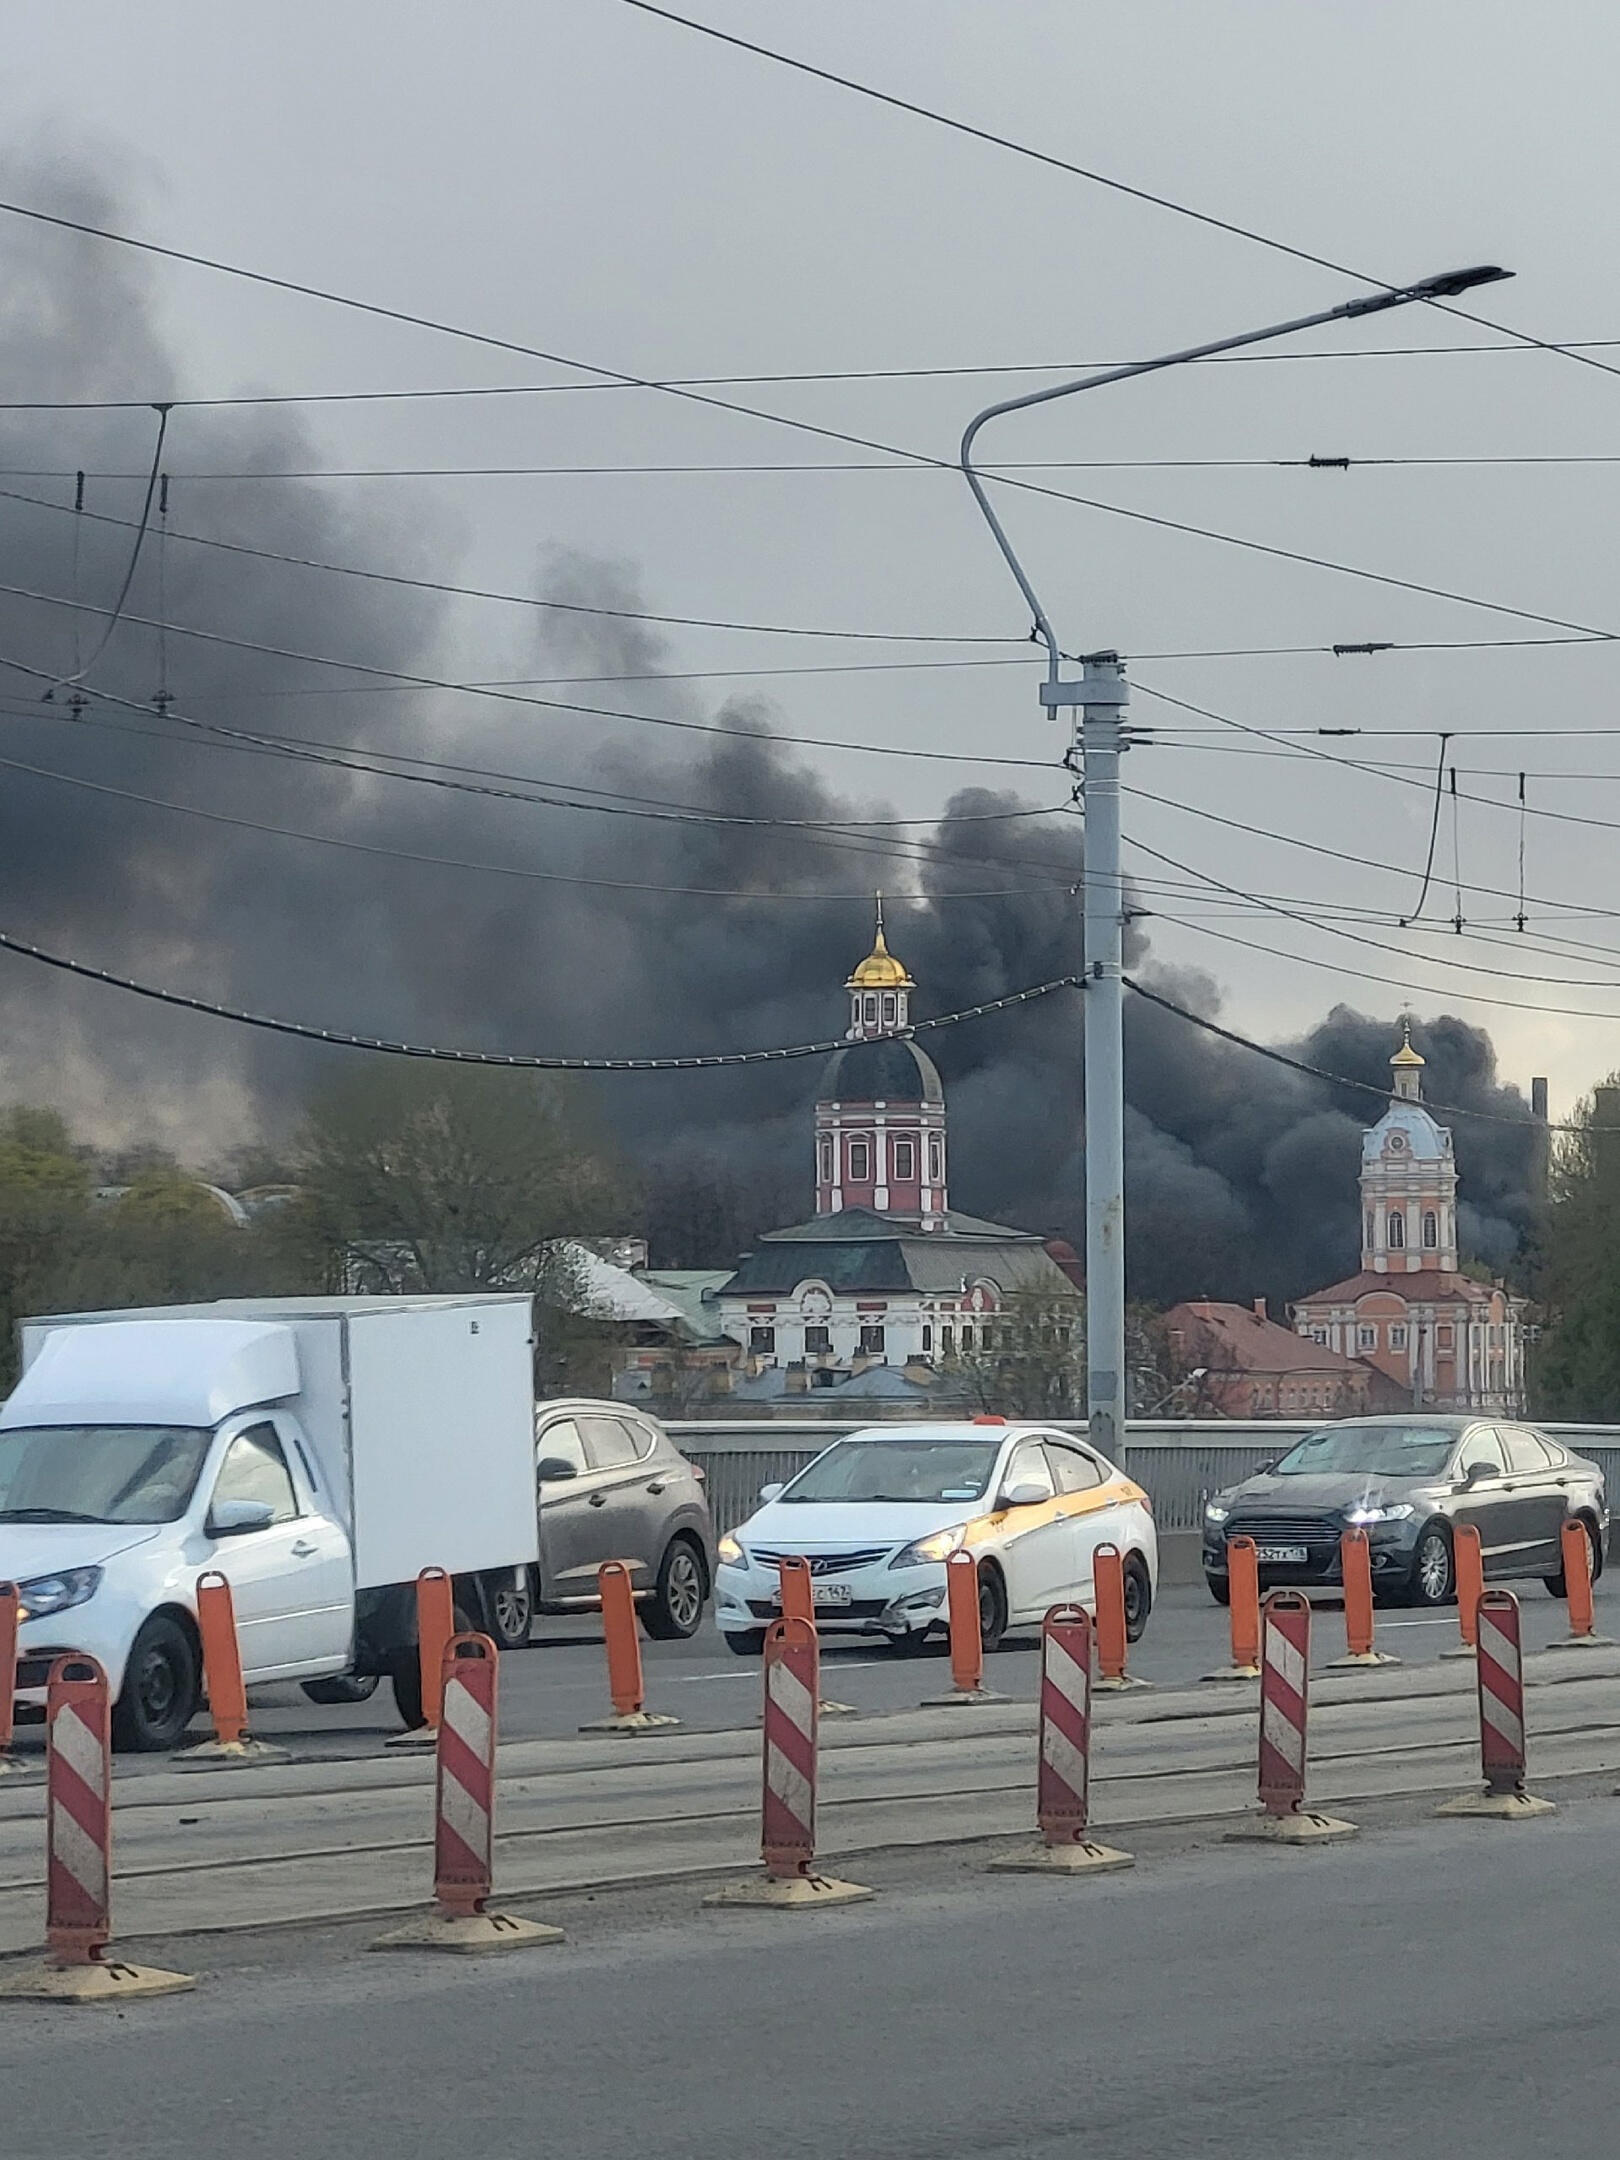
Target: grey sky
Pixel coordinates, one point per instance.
(573, 174)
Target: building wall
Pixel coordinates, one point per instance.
(814, 1325)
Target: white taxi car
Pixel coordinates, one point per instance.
(878, 1514)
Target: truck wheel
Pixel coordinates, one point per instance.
(162, 1687)
(674, 1612)
(345, 1687)
(510, 1598)
(405, 1678)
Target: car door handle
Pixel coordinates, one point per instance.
(598, 1499)
(656, 1486)
(304, 1550)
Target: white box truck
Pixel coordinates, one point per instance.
(317, 1452)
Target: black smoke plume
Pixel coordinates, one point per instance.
(1242, 1176)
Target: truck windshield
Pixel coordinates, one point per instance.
(99, 1473)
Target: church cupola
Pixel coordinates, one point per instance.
(880, 1110)
(1407, 1066)
(1408, 1180)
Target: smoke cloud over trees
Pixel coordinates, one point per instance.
(580, 931)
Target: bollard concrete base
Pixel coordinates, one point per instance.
(1081, 1858)
(1497, 1806)
(1582, 1642)
(825, 1708)
(960, 1698)
(1305, 1827)
(104, 1980)
(792, 1893)
(418, 1739)
(1117, 1683)
(1233, 1672)
(1462, 1649)
(469, 1934)
(226, 1754)
(15, 1766)
(1353, 1658)
(631, 1722)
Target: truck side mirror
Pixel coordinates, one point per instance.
(239, 1518)
(552, 1469)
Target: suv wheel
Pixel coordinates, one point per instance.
(674, 1612)
(511, 1608)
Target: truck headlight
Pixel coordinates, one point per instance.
(44, 1594)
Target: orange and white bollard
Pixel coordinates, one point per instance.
(797, 1596)
(1243, 1607)
(1501, 1718)
(1285, 1664)
(621, 1633)
(464, 1815)
(1468, 1565)
(1113, 1638)
(1576, 1552)
(78, 1871)
(788, 1793)
(10, 1619)
(967, 1637)
(223, 1684)
(1063, 1765)
(1355, 1566)
(435, 1630)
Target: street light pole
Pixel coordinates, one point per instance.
(1099, 696)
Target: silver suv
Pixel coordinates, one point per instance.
(612, 1485)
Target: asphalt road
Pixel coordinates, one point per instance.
(1427, 1989)
(560, 1681)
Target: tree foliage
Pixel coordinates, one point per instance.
(1576, 1367)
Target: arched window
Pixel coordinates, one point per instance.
(888, 1008)
(860, 1162)
(1397, 1230)
(905, 1160)
(871, 1010)
(1431, 1229)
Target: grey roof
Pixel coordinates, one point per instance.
(691, 1292)
(1427, 1141)
(890, 1070)
(858, 1250)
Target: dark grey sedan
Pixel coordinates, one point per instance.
(1408, 1481)
(612, 1485)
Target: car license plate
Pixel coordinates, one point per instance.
(834, 1593)
(1282, 1555)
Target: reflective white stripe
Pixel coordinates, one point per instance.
(1499, 1648)
(1283, 1735)
(1065, 1674)
(1502, 1720)
(790, 1786)
(467, 1718)
(1284, 1658)
(1061, 1756)
(789, 1694)
(465, 1817)
(80, 1749)
(80, 1855)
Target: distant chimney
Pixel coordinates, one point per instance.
(1260, 1308)
(1538, 1099)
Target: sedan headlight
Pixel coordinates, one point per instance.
(1214, 1512)
(1397, 1512)
(938, 1545)
(730, 1552)
(55, 1593)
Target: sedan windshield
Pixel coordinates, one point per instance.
(1394, 1450)
(99, 1473)
(899, 1469)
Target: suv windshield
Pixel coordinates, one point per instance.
(908, 1469)
(1372, 1450)
(99, 1473)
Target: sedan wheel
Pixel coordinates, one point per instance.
(1433, 1574)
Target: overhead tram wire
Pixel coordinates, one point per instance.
(735, 468)
(380, 311)
(1207, 218)
(1320, 1072)
(342, 1039)
(515, 870)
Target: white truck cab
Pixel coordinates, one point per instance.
(315, 1452)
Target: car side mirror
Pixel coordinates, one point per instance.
(239, 1518)
(553, 1469)
(1474, 1471)
(1028, 1492)
(773, 1491)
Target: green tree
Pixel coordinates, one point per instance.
(1576, 1369)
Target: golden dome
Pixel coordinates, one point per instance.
(880, 970)
(1406, 1055)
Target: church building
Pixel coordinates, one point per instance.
(1447, 1341)
(886, 1273)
